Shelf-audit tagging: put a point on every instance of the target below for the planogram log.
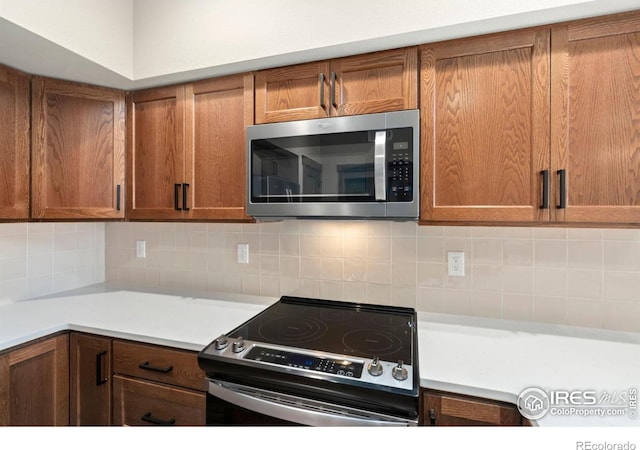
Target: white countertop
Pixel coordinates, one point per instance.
(487, 358)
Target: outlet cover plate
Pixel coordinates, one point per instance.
(455, 264)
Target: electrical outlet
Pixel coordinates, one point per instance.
(141, 249)
(243, 253)
(456, 264)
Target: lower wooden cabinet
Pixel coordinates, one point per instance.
(155, 385)
(140, 402)
(90, 368)
(446, 409)
(34, 383)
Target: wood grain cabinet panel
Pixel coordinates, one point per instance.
(155, 139)
(534, 126)
(187, 150)
(485, 127)
(218, 112)
(164, 365)
(139, 402)
(292, 93)
(156, 385)
(377, 82)
(14, 144)
(90, 377)
(370, 83)
(34, 384)
(445, 409)
(596, 119)
(78, 151)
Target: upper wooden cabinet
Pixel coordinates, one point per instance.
(155, 157)
(595, 119)
(534, 126)
(485, 127)
(187, 150)
(370, 83)
(14, 144)
(77, 151)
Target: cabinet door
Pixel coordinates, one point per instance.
(375, 82)
(90, 368)
(596, 119)
(456, 410)
(485, 128)
(155, 139)
(217, 113)
(292, 93)
(14, 144)
(78, 151)
(34, 384)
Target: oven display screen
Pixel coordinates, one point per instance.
(301, 361)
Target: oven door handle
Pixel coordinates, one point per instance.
(298, 410)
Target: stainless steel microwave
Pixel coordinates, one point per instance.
(364, 166)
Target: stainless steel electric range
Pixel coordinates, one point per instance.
(316, 362)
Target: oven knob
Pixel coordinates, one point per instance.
(238, 345)
(399, 372)
(375, 367)
(221, 343)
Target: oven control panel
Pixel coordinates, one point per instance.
(342, 367)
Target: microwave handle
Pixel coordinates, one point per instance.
(380, 166)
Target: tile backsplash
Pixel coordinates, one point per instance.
(583, 277)
(44, 258)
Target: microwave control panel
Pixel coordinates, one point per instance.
(400, 173)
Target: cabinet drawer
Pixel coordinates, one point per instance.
(177, 367)
(140, 402)
(448, 409)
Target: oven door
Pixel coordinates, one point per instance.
(234, 404)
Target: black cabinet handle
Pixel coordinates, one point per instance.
(333, 90)
(146, 366)
(432, 417)
(322, 104)
(99, 378)
(118, 198)
(176, 197)
(563, 188)
(545, 189)
(149, 418)
(185, 186)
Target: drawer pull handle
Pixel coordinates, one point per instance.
(146, 366)
(432, 417)
(149, 418)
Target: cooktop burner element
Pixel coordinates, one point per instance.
(338, 352)
(372, 343)
(292, 330)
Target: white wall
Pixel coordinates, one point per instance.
(140, 43)
(98, 30)
(172, 37)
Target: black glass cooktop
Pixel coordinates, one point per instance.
(352, 329)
